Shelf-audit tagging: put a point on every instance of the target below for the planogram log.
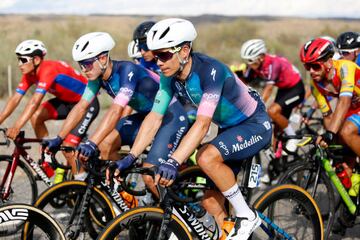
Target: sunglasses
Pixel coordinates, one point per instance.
(87, 64)
(143, 46)
(347, 52)
(24, 59)
(251, 61)
(166, 56)
(313, 66)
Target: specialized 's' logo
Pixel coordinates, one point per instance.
(213, 73)
(130, 75)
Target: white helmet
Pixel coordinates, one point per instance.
(133, 50)
(31, 48)
(251, 49)
(91, 45)
(169, 33)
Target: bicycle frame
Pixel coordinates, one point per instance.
(20, 150)
(338, 185)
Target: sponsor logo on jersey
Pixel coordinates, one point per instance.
(213, 74)
(130, 75)
(224, 147)
(126, 91)
(245, 143)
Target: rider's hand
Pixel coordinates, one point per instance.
(87, 150)
(12, 132)
(325, 139)
(167, 172)
(52, 145)
(119, 165)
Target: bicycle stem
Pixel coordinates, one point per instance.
(339, 186)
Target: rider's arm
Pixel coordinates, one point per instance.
(74, 117)
(80, 109)
(29, 110)
(339, 114)
(267, 92)
(149, 128)
(10, 106)
(152, 122)
(192, 138)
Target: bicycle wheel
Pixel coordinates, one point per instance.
(293, 210)
(68, 196)
(23, 186)
(144, 223)
(305, 175)
(21, 221)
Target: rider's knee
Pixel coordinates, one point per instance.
(208, 156)
(274, 110)
(347, 131)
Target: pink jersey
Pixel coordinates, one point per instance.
(278, 71)
(56, 77)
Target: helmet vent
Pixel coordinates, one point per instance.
(85, 46)
(165, 32)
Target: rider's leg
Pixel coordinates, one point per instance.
(38, 121)
(275, 114)
(350, 133)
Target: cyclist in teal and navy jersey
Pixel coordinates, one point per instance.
(139, 36)
(55, 77)
(128, 84)
(210, 88)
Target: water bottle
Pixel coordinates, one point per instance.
(49, 171)
(209, 223)
(146, 200)
(343, 176)
(355, 184)
(59, 175)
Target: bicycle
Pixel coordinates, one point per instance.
(22, 221)
(20, 171)
(317, 176)
(174, 220)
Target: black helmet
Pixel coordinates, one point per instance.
(141, 31)
(348, 41)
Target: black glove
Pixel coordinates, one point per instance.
(328, 137)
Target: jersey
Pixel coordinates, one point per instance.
(129, 84)
(277, 71)
(345, 82)
(152, 66)
(211, 90)
(56, 77)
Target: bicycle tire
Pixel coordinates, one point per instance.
(134, 219)
(23, 180)
(306, 212)
(30, 222)
(325, 198)
(100, 208)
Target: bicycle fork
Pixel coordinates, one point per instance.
(74, 230)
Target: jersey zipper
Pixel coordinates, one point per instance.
(187, 93)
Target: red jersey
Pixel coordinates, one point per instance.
(56, 77)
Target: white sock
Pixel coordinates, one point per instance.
(238, 202)
(289, 130)
(80, 176)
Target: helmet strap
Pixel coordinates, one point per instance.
(104, 67)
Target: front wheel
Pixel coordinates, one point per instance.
(293, 210)
(144, 223)
(23, 187)
(21, 221)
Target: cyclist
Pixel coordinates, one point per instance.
(348, 44)
(210, 88)
(139, 36)
(336, 78)
(129, 84)
(56, 77)
(134, 52)
(276, 71)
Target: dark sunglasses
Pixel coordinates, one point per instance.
(24, 59)
(166, 56)
(87, 64)
(346, 53)
(143, 46)
(313, 66)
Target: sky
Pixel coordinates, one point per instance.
(282, 8)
